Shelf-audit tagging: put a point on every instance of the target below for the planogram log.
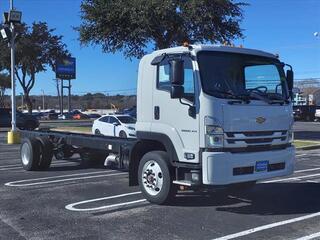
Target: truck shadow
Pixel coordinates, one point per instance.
(263, 199)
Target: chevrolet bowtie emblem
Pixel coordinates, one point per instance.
(260, 120)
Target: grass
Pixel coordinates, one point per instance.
(305, 143)
(74, 129)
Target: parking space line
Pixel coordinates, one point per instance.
(292, 178)
(24, 184)
(307, 170)
(72, 207)
(268, 226)
(309, 237)
(19, 164)
(53, 165)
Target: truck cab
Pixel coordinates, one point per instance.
(222, 115)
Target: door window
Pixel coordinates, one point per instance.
(104, 119)
(113, 120)
(164, 78)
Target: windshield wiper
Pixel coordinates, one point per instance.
(260, 96)
(242, 97)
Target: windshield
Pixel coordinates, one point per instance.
(229, 75)
(127, 119)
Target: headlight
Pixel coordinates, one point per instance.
(290, 136)
(214, 136)
(131, 128)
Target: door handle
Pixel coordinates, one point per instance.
(156, 112)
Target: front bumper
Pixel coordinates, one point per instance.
(222, 168)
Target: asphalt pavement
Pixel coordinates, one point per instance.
(68, 202)
(307, 130)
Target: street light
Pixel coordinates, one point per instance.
(12, 18)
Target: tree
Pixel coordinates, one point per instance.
(5, 83)
(131, 26)
(37, 48)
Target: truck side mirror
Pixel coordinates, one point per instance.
(177, 72)
(177, 91)
(290, 81)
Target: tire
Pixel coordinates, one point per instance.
(122, 134)
(155, 178)
(30, 154)
(97, 132)
(46, 153)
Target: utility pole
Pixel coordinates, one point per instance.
(42, 100)
(69, 96)
(61, 106)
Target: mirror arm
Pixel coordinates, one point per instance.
(192, 108)
(186, 104)
(288, 65)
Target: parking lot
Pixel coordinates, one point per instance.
(67, 202)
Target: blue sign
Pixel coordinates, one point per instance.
(66, 69)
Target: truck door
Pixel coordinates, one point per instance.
(171, 117)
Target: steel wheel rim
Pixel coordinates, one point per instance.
(25, 154)
(152, 178)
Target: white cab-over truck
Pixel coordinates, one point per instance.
(207, 116)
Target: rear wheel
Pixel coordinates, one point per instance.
(155, 179)
(46, 153)
(30, 154)
(97, 132)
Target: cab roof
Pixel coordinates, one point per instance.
(194, 49)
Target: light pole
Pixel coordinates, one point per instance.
(10, 19)
(13, 82)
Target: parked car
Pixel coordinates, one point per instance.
(37, 115)
(80, 116)
(65, 116)
(122, 126)
(304, 112)
(50, 115)
(94, 115)
(24, 121)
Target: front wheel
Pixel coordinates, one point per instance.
(122, 134)
(155, 178)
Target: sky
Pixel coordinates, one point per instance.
(284, 27)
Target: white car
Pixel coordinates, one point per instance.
(122, 126)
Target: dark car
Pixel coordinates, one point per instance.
(131, 111)
(24, 121)
(51, 115)
(93, 115)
